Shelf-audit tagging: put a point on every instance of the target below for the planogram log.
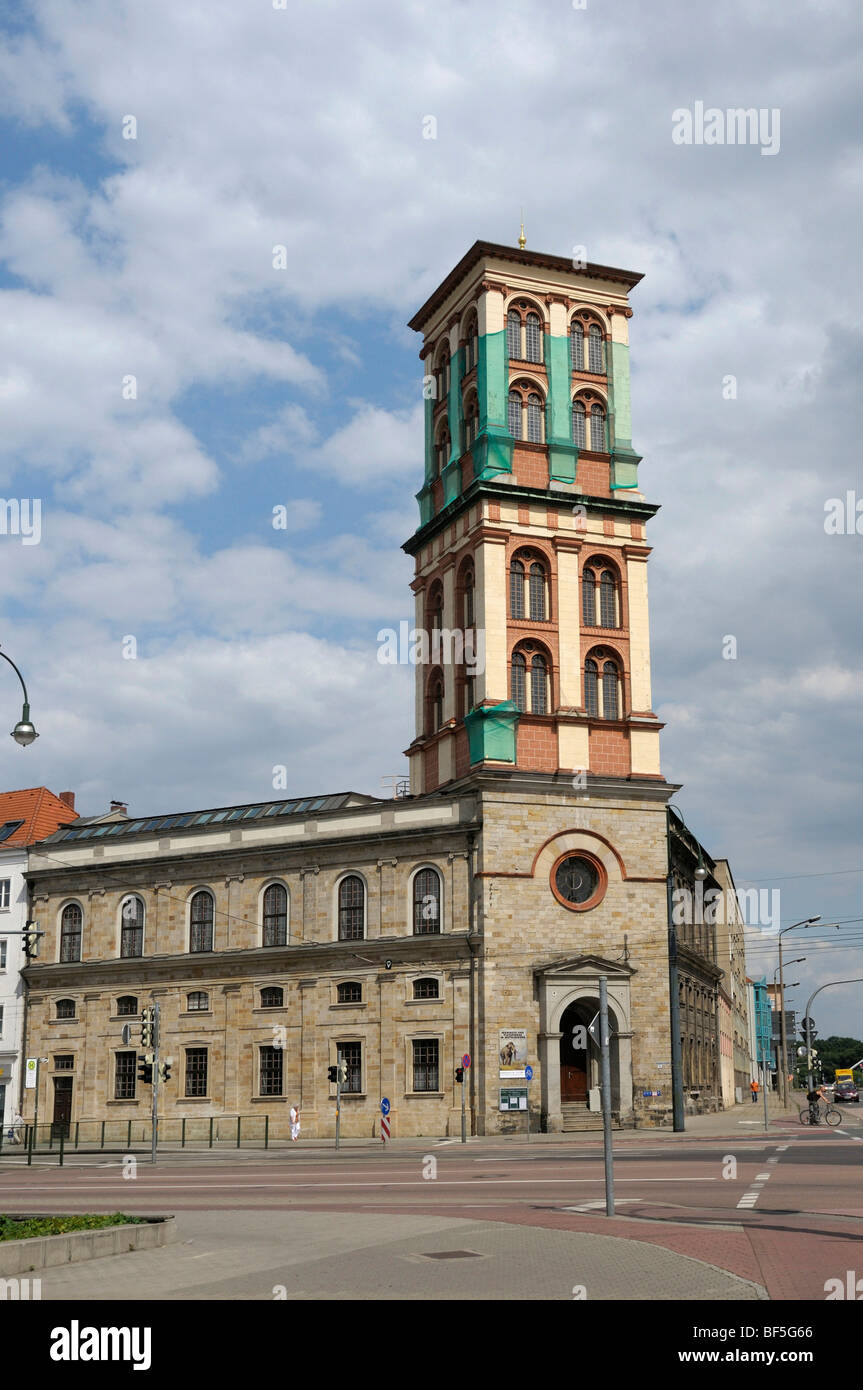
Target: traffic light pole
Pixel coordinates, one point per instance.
(157, 1009)
(338, 1103)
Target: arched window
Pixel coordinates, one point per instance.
(427, 989)
(516, 589)
(435, 608)
(513, 334)
(579, 429)
(436, 703)
(198, 1002)
(351, 992)
(352, 911)
(594, 347)
(536, 591)
(471, 345)
(588, 597)
(469, 598)
(607, 600)
(591, 692)
(610, 702)
(273, 997)
(65, 1008)
(597, 429)
(275, 915)
(533, 339)
(427, 902)
(514, 415)
(518, 681)
(201, 915)
(538, 685)
(442, 452)
(127, 1006)
(132, 926)
(71, 923)
(576, 347)
(471, 422)
(534, 418)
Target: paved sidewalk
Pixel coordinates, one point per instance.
(331, 1255)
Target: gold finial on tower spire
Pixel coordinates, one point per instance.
(522, 240)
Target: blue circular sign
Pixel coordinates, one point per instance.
(528, 1073)
(385, 1106)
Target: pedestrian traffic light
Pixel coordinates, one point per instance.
(333, 1074)
(165, 1071)
(145, 1069)
(459, 1075)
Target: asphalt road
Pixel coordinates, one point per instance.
(740, 1214)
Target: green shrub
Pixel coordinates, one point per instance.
(14, 1228)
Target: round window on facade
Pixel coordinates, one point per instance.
(578, 881)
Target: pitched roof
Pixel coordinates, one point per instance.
(39, 811)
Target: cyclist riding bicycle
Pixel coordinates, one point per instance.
(815, 1097)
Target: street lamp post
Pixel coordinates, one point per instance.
(858, 980)
(783, 1042)
(24, 731)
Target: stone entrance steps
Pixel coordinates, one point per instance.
(577, 1118)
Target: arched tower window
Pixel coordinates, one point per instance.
(534, 418)
(588, 597)
(518, 681)
(607, 600)
(597, 429)
(513, 334)
(610, 691)
(538, 685)
(514, 414)
(427, 902)
(576, 347)
(132, 926)
(591, 692)
(579, 428)
(594, 347)
(533, 339)
(537, 593)
(516, 589)
(201, 915)
(275, 915)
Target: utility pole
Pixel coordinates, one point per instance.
(156, 1015)
(678, 1121)
(605, 1053)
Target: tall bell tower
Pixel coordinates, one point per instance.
(530, 556)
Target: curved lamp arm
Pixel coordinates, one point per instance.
(24, 732)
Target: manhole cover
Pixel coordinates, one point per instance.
(451, 1255)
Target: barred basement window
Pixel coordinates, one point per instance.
(426, 1068)
(426, 903)
(275, 916)
(271, 1071)
(196, 1071)
(272, 997)
(350, 993)
(127, 1006)
(202, 913)
(352, 893)
(124, 1075)
(352, 1055)
(197, 1001)
(426, 989)
(65, 1008)
(70, 933)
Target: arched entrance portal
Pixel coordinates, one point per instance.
(574, 1060)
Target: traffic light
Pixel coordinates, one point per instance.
(165, 1070)
(31, 941)
(147, 1028)
(145, 1069)
(343, 1072)
(459, 1075)
(333, 1074)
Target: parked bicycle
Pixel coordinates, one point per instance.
(827, 1114)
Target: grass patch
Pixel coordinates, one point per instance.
(11, 1228)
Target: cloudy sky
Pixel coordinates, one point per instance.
(163, 386)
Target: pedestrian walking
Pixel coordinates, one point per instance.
(753, 1087)
(295, 1123)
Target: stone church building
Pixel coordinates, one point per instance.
(476, 914)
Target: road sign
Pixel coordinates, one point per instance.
(385, 1106)
(127, 1033)
(465, 1061)
(528, 1073)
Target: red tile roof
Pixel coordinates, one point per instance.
(40, 811)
